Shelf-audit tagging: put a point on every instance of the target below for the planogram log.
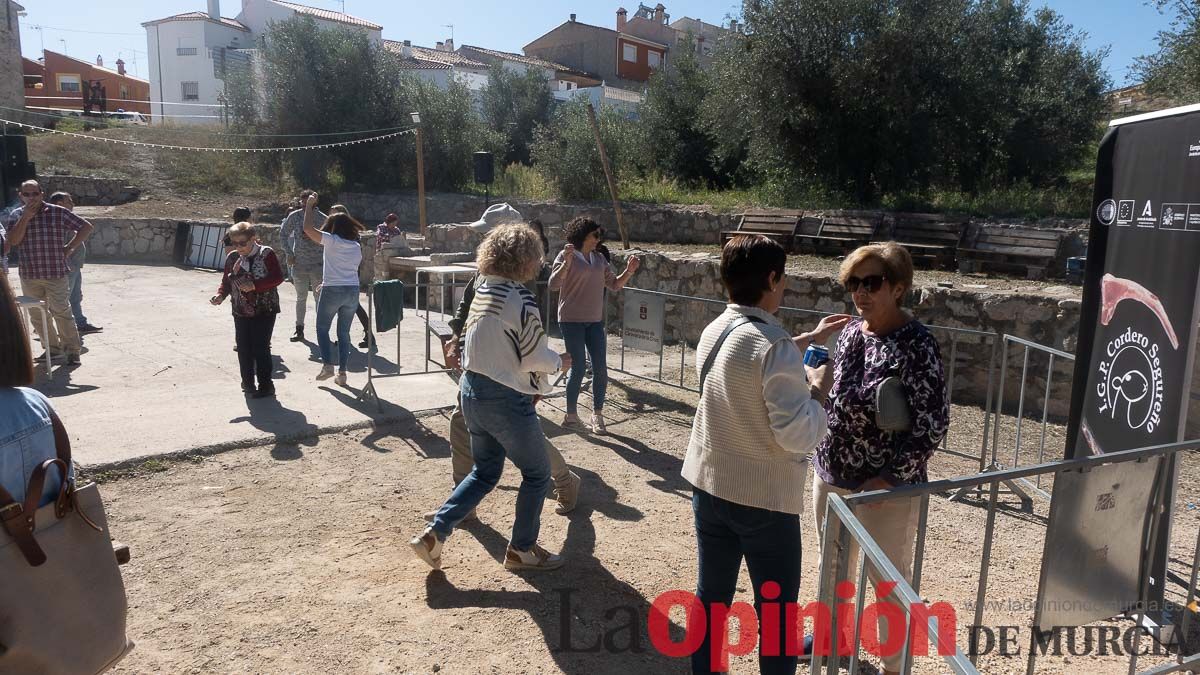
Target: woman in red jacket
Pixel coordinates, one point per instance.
(252, 275)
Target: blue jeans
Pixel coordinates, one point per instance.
(770, 542)
(502, 422)
(75, 281)
(341, 301)
(591, 336)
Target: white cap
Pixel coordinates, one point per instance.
(497, 214)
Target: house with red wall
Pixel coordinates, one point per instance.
(64, 78)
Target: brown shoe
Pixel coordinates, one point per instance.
(566, 493)
(536, 558)
(428, 548)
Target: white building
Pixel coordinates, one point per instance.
(558, 77)
(191, 53)
(440, 65)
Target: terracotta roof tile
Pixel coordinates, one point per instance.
(424, 58)
(528, 60)
(329, 15)
(199, 16)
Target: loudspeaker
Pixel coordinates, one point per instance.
(16, 167)
(485, 172)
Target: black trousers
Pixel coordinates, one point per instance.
(253, 335)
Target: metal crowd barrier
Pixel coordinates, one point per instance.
(1021, 487)
(841, 525)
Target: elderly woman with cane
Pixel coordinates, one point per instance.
(506, 367)
(887, 411)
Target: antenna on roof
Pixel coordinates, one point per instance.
(451, 27)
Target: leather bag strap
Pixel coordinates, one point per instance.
(62, 442)
(19, 519)
(712, 353)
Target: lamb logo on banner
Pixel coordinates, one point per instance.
(1130, 386)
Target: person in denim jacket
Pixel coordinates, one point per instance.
(27, 420)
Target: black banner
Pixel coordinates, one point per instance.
(1138, 325)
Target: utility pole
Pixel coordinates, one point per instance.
(416, 118)
(612, 184)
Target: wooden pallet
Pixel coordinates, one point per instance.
(1019, 250)
(843, 232)
(782, 226)
(930, 238)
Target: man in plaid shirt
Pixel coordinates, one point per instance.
(47, 235)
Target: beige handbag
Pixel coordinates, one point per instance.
(62, 601)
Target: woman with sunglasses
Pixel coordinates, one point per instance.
(252, 277)
(580, 274)
(856, 455)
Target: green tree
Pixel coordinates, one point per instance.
(672, 119)
(564, 151)
(315, 86)
(514, 105)
(1174, 70)
(867, 98)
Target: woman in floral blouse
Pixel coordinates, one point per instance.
(856, 455)
(252, 276)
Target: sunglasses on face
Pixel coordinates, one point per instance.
(870, 283)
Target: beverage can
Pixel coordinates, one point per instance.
(816, 356)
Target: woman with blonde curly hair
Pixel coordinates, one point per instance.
(506, 364)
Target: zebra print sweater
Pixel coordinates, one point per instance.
(505, 340)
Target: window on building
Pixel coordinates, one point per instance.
(654, 59)
(629, 53)
(69, 83)
(191, 91)
(185, 51)
(124, 92)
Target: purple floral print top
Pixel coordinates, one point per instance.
(855, 450)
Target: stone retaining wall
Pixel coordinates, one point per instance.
(87, 191)
(666, 223)
(133, 239)
(153, 239)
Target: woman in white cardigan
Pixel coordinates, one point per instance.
(760, 415)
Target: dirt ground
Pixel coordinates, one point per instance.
(294, 558)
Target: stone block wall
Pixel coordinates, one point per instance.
(664, 223)
(646, 222)
(87, 191)
(133, 239)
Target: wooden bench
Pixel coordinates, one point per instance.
(841, 233)
(929, 237)
(1020, 250)
(782, 226)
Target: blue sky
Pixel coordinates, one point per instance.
(85, 28)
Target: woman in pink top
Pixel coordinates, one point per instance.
(580, 275)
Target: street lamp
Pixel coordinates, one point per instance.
(416, 118)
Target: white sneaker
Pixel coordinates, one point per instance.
(536, 558)
(326, 373)
(340, 380)
(598, 427)
(428, 547)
